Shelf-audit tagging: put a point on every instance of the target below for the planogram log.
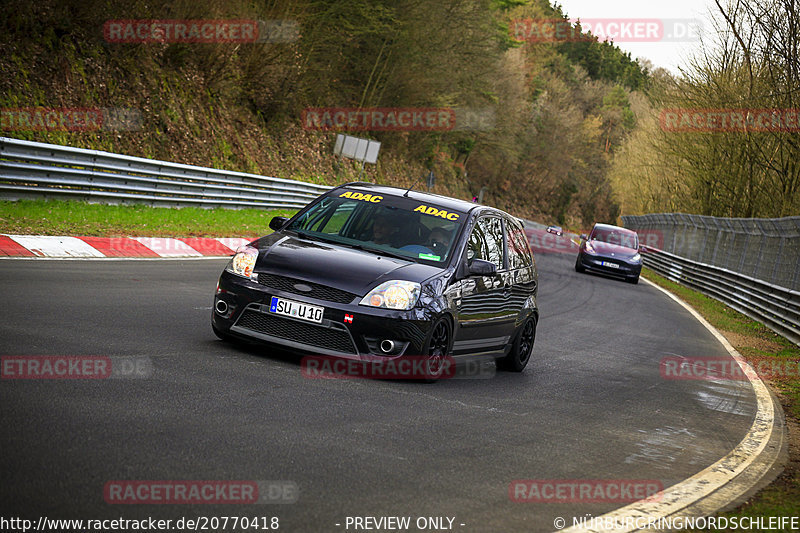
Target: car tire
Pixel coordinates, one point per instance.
(438, 344)
(633, 280)
(517, 359)
(578, 266)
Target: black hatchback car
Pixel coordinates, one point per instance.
(610, 250)
(368, 271)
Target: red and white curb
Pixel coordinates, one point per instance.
(98, 247)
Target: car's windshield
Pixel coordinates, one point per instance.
(384, 224)
(618, 236)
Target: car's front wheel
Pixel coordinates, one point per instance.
(437, 347)
(517, 359)
(633, 279)
(578, 266)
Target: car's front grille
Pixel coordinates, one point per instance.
(320, 292)
(318, 336)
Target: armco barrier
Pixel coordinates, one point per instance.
(773, 305)
(38, 170)
(776, 307)
(767, 249)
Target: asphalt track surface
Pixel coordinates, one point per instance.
(592, 404)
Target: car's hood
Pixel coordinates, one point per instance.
(339, 266)
(606, 248)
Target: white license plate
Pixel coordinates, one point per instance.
(609, 264)
(311, 313)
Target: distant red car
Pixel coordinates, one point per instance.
(555, 230)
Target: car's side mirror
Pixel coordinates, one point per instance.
(277, 223)
(643, 249)
(584, 237)
(481, 267)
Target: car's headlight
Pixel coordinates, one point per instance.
(589, 248)
(393, 294)
(637, 258)
(243, 262)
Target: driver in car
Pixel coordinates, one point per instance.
(383, 231)
(439, 241)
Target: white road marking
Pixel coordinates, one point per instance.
(689, 491)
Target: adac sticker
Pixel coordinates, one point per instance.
(430, 210)
(430, 257)
(362, 196)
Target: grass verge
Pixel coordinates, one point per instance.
(52, 217)
(757, 343)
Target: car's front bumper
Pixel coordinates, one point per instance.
(347, 330)
(599, 263)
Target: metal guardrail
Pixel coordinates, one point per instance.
(38, 170)
(776, 307)
(763, 248)
(751, 245)
(32, 169)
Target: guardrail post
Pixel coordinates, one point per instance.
(775, 267)
(744, 253)
(796, 278)
(718, 229)
(702, 253)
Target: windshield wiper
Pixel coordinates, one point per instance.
(379, 251)
(314, 236)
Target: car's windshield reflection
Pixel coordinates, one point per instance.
(391, 227)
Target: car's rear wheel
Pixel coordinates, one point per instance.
(579, 266)
(517, 359)
(437, 347)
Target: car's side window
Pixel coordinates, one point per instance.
(486, 241)
(327, 217)
(334, 223)
(316, 216)
(519, 252)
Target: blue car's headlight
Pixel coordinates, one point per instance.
(636, 258)
(395, 294)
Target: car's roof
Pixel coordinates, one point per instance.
(442, 201)
(611, 226)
